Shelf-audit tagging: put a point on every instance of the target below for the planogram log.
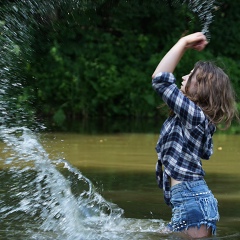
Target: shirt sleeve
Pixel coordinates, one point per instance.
(189, 113)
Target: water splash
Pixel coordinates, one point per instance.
(57, 203)
(44, 198)
(204, 10)
(50, 199)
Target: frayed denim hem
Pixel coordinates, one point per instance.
(193, 205)
(183, 226)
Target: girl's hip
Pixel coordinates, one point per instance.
(193, 204)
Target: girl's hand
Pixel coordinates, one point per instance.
(197, 41)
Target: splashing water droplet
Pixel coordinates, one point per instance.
(204, 9)
(46, 198)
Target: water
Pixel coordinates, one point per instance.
(204, 11)
(42, 196)
(46, 197)
(50, 199)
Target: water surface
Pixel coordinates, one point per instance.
(122, 168)
(102, 186)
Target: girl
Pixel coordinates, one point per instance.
(205, 99)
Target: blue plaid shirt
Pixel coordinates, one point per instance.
(185, 137)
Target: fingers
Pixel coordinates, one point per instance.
(197, 37)
(200, 45)
(197, 41)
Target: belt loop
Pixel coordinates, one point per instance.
(188, 185)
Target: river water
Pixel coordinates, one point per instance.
(123, 166)
(102, 186)
(74, 186)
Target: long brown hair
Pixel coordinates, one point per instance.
(214, 93)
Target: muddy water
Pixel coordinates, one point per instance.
(121, 167)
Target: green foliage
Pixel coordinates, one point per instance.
(99, 63)
(97, 60)
(225, 30)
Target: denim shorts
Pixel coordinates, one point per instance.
(193, 204)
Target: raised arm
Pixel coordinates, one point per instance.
(169, 62)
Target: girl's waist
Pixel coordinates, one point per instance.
(177, 186)
(174, 182)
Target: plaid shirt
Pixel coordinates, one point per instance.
(185, 137)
